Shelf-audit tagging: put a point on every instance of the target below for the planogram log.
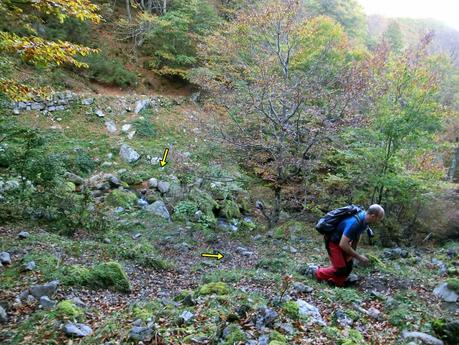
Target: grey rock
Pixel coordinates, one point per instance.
(100, 113)
(186, 316)
(78, 302)
(263, 340)
(159, 208)
(343, 319)
(240, 250)
(198, 215)
(30, 266)
(374, 313)
(153, 183)
(265, 317)
(128, 154)
(141, 333)
(287, 328)
(74, 178)
(444, 293)
(137, 323)
(142, 202)
(77, 330)
(247, 253)
(141, 104)
(47, 303)
(48, 289)
(3, 315)
(23, 235)
(163, 186)
(110, 126)
(107, 240)
(423, 337)
(16, 111)
(87, 101)
(353, 278)
(5, 258)
(306, 309)
(126, 127)
(114, 181)
(441, 265)
(302, 288)
(131, 135)
(136, 236)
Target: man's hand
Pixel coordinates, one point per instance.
(363, 259)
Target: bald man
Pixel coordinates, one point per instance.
(341, 245)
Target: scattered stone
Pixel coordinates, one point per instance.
(247, 253)
(141, 104)
(131, 135)
(163, 186)
(110, 126)
(47, 303)
(306, 309)
(77, 330)
(107, 240)
(78, 302)
(100, 113)
(441, 265)
(128, 154)
(198, 215)
(141, 333)
(136, 236)
(352, 278)
(343, 319)
(287, 328)
(153, 183)
(74, 178)
(265, 317)
(23, 235)
(240, 250)
(444, 293)
(374, 313)
(142, 202)
(47, 289)
(301, 288)
(30, 266)
(5, 258)
(159, 208)
(186, 316)
(87, 101)
(263, 340)
(3, 315)
(424, 337)
(126, 128)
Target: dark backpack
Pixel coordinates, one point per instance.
(328, 224)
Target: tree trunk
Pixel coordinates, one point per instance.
(277, 206)
(452, 173)
(128, 10)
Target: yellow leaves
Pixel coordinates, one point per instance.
(20, 92)
(81, 9)
(39, 51)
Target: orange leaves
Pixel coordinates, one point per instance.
(81, 9)
(20, 92)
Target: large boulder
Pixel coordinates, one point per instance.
(158, 208)
(128, 154)
(446, 294)
(141, 333)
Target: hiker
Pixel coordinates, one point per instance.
(341, 241)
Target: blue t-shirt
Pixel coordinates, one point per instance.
(351, 227)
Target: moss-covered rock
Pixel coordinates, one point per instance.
(291, 309)
(217, 288)
(110, 275)
(204, 201)
(68, 310)
(446, 330)
(121, 198)
(69, 187)
(234, 335)
(107, 275)
(453, 284)
(230, 209)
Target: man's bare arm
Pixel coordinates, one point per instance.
(344, 245)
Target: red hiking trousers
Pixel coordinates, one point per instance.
(341, 265)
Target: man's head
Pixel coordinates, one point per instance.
(374, 214)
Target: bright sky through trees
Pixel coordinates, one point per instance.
(446, 11)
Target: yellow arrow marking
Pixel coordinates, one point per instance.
(163, 162)
(217, 256)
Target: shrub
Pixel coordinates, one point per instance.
(292, 309)
(109, 71)
(144, 128)
(185, 210)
